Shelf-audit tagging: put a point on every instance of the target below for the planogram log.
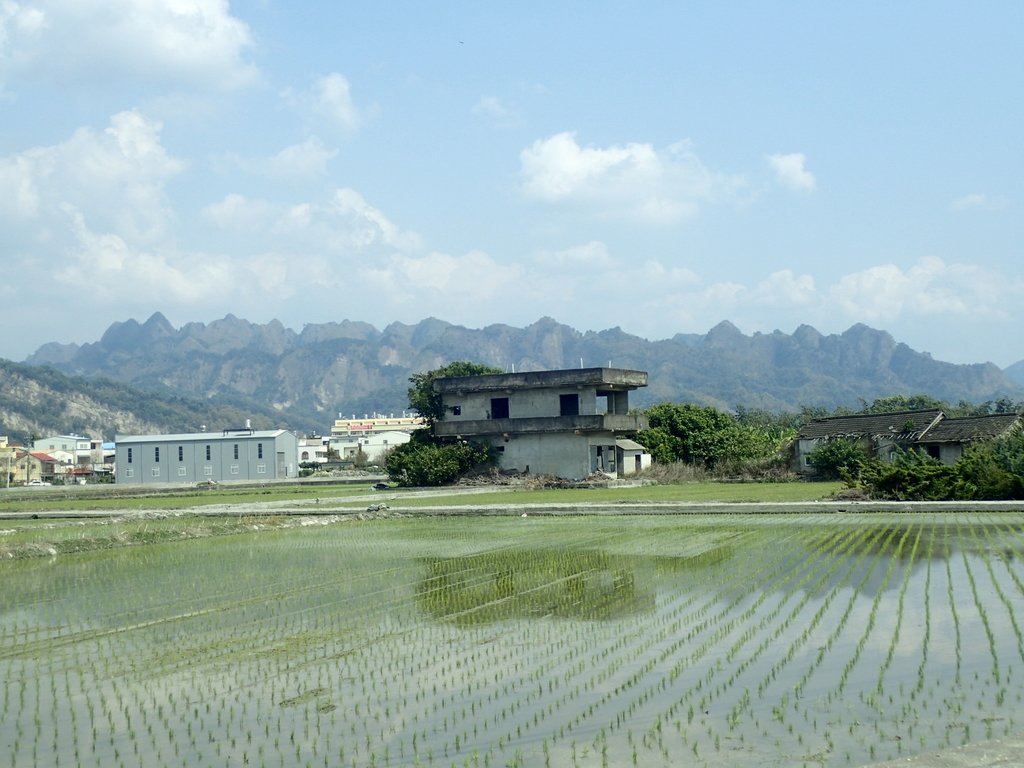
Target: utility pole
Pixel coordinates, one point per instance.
(28, 459)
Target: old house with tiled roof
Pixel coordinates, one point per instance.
(947, 439)
(885, 434)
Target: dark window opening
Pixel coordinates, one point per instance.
(569, 405)
(129, 455)
(236, 451)
(259, 450)
(499, 407)
(456, 410)
(156, 454)
(207, 453)
(181, 453)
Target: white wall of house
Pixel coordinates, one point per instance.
(374, 445)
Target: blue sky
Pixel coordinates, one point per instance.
(659, 166)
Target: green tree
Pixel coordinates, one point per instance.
(912, 476)
(839, 459)
(427, 460)
(425, 401)
(895, 403)
(701, 435)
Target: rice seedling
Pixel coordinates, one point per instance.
(822, 639)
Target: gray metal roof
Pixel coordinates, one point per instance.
(195, 437)
(901, 425)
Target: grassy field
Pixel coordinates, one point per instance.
(657, 640)
(75, 499)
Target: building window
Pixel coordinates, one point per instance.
(499, 407)
(261, 469)
(456, 410)
(155, 471)
(259, 450)
(156, 454)
(236, 452)
(129, 457)
(208, 470)
(129, 473)
(182, 471)
(207, 452)
(569, 405)
(234, 469)
(181, 453)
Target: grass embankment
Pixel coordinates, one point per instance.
(71, 500)
(170, 517)
(685, 493)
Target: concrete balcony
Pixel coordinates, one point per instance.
(609, 422)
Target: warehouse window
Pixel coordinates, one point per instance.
(259, 450)
(181, 453)
(207, 452)
(129, 457)
(156, 454)
(236, 451)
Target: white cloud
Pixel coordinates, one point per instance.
(785, 289)
(343, 224)
(334, 99)
(193, 42)
(491, 106)
(116, 271)
(635, 180)
(790, 171)
(929, 288)
(115, 177)
(440, 283)
(589, 256)
(977, 201)
(297, 162)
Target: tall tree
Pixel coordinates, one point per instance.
(425, 401)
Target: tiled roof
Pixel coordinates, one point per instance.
(973, 428)
(903, 425)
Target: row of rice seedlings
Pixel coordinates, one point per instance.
(295, 707)
(658, 688)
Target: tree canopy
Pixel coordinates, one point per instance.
(422, 397)
(428, 460)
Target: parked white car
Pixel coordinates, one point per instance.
(38, 482)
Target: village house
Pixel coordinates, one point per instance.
(567, 423)
(883, 435)
(368, 440)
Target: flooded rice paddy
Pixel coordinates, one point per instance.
(747, 640)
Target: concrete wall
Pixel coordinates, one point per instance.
(570, 456)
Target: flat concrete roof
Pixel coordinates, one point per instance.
(603, 378)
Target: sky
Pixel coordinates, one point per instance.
(658, 167)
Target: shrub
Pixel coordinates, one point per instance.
(839, 459)
(429, 463)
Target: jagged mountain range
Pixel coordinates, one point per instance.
(304, 380)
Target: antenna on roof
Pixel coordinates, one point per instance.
(581, 362)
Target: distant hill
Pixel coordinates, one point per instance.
(1016, 372)
(307, 378)
(44, 401)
